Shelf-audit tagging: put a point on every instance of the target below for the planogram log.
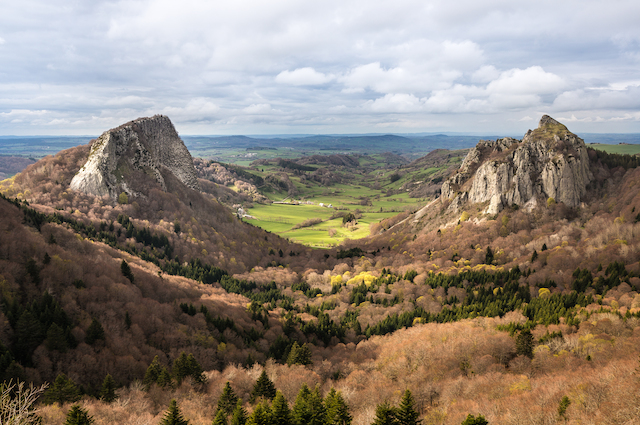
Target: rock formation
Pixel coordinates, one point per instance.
(135, 156)
(549, 162)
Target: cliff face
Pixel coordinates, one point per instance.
(135, 156)
(549, 162)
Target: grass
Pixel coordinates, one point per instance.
(626, 149)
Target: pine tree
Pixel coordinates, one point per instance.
(228, 400)
(127, 320)
(280, 412)
(337, 409)
(187, 365)
(300, 412)
(152, 373)
(263, 388)
(299, 354)
(524, 344)
(95, 332)
(488, 258)
(261, 415)
(406, 412)
(317, 411)
(385, 415)
(472, 420)
(562, 407)
(221, 418)
(173, 416)
(239, 415)
(126, 271)
(164, 379)
(62, 391)
(78, 416)
(108, 392)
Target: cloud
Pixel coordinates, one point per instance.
(258, 109)
(284, 65)
(303, 77)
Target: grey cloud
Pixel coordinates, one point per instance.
(258, 67)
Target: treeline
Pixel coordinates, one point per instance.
(614, 160)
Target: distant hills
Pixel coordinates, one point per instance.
(39, 146)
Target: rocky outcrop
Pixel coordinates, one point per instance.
(549, 162)
(135, 156)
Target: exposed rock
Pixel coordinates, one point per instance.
(549, 162)
(134, 156)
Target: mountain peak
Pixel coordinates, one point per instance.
(549, 162)
(135, 157)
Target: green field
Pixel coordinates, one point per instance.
(371, 196)
(624, 149)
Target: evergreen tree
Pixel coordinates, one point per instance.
(524, 344)
(108, 392)
(127, 320)
(280, 412)
(472, 420)
(62, 391)
(562, 407)
(488, 258)
(153, 373)
(164, 379)
(56, 339)
(78, 416)
(261, 415)
(94, 332)
(299, 354)
(337, 409)
(126, 271)
(221, 418)
(239, 415)
(27, 336)
(228, 400)
(406, 412)
(173, 416)
(300, 412)
(534, 256)
(317, 411)
(385, 415)
(263, 388)
(186, 365)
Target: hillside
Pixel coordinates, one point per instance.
(476, 312)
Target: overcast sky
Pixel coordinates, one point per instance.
(301, 66)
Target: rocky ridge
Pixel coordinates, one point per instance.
(133, 156)
(549, 162)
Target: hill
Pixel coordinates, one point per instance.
(501, 314)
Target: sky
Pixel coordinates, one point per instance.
(319, 67)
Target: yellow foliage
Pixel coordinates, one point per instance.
(619, 220)
(336, 280)
(544, 293)
(550, 202)
(522, 384)
(361, 277)
(464, 216)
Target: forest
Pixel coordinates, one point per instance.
(170, 309)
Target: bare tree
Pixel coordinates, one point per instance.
(17, 403)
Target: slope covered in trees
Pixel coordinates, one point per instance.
(476, 314)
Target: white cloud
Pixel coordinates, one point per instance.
(303, 77)
(400, 102)
(252, 66)
(258, 109)
(531, 81)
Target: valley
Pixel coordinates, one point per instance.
(469, 277)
